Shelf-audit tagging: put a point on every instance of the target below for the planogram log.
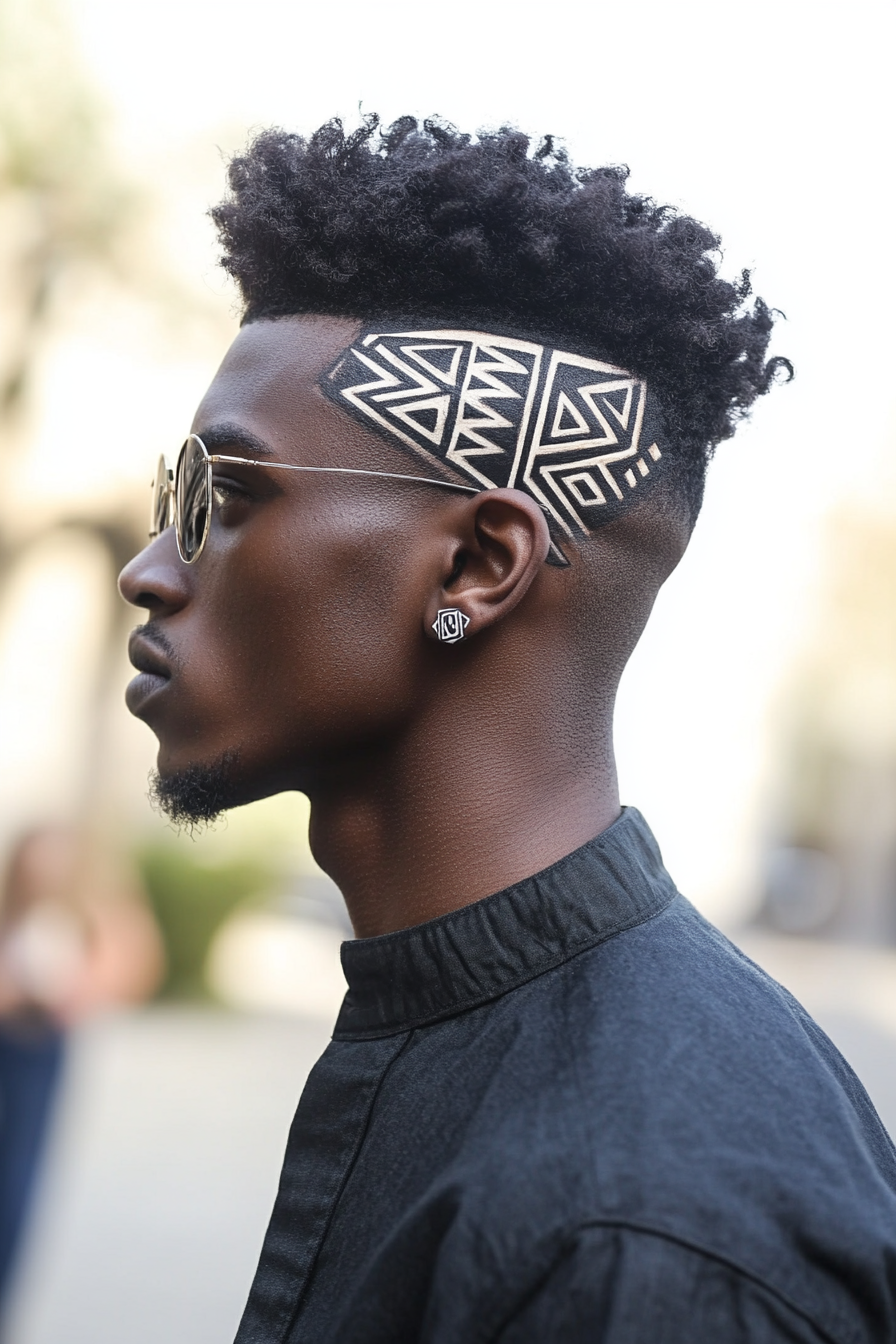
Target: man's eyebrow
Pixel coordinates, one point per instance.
(233, 438)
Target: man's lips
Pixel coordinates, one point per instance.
(153, 667)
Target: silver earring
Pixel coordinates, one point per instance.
(450, 625)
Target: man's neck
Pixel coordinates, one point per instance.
(419, 831)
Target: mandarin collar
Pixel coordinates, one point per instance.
(399, 981)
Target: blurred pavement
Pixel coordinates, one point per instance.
(165, 1163)
(162, 1177)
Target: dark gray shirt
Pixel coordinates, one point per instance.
(575, 1112)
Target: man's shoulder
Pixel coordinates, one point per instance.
(671, 1014)
(672, 1058)
(661, 1082)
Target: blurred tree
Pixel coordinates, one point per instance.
(66, 211)
(72, 226)
(191, 900)
(64, 206)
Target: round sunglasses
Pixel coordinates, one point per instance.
(184, 497)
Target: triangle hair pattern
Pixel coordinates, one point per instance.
(500, 411)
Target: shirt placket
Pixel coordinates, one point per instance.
(324, 1141)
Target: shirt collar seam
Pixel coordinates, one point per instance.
(553, 870)
(481, 999)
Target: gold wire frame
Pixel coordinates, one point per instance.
(164, 488)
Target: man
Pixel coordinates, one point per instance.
(427, 504)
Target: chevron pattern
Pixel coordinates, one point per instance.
(504, 412)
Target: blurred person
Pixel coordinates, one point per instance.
(75, 936)
(418, 527)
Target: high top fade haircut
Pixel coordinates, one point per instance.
(426, 223)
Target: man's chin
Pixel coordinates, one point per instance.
(198, 794)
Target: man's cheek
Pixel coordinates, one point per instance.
(257, 640)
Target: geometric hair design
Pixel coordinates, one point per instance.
(575, 433)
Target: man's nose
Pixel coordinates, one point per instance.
(157, 578)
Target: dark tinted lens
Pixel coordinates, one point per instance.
(192, 498)
(160, 512)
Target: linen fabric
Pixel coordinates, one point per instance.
(574, 1111)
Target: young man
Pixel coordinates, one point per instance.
(456, 448)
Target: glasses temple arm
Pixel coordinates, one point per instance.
(345, 471)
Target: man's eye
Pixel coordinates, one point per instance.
(227, 492)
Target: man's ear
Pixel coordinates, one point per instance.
(499, 540)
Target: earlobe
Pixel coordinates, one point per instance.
(503, 538)
(450, 625)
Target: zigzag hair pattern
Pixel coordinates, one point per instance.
(578, 434)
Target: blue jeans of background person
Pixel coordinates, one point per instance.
(31, 1055)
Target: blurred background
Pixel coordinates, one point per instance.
(162, 996)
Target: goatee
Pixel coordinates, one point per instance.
(196, 796)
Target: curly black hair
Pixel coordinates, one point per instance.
(428, 222)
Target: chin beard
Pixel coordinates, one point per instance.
(196, 796)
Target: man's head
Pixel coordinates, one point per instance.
(459, 310)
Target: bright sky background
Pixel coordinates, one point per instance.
(771, 122)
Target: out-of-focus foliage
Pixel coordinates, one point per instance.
(64, 207)
(66, 211)
(191, 900)
(69, 219)
(80, 236)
